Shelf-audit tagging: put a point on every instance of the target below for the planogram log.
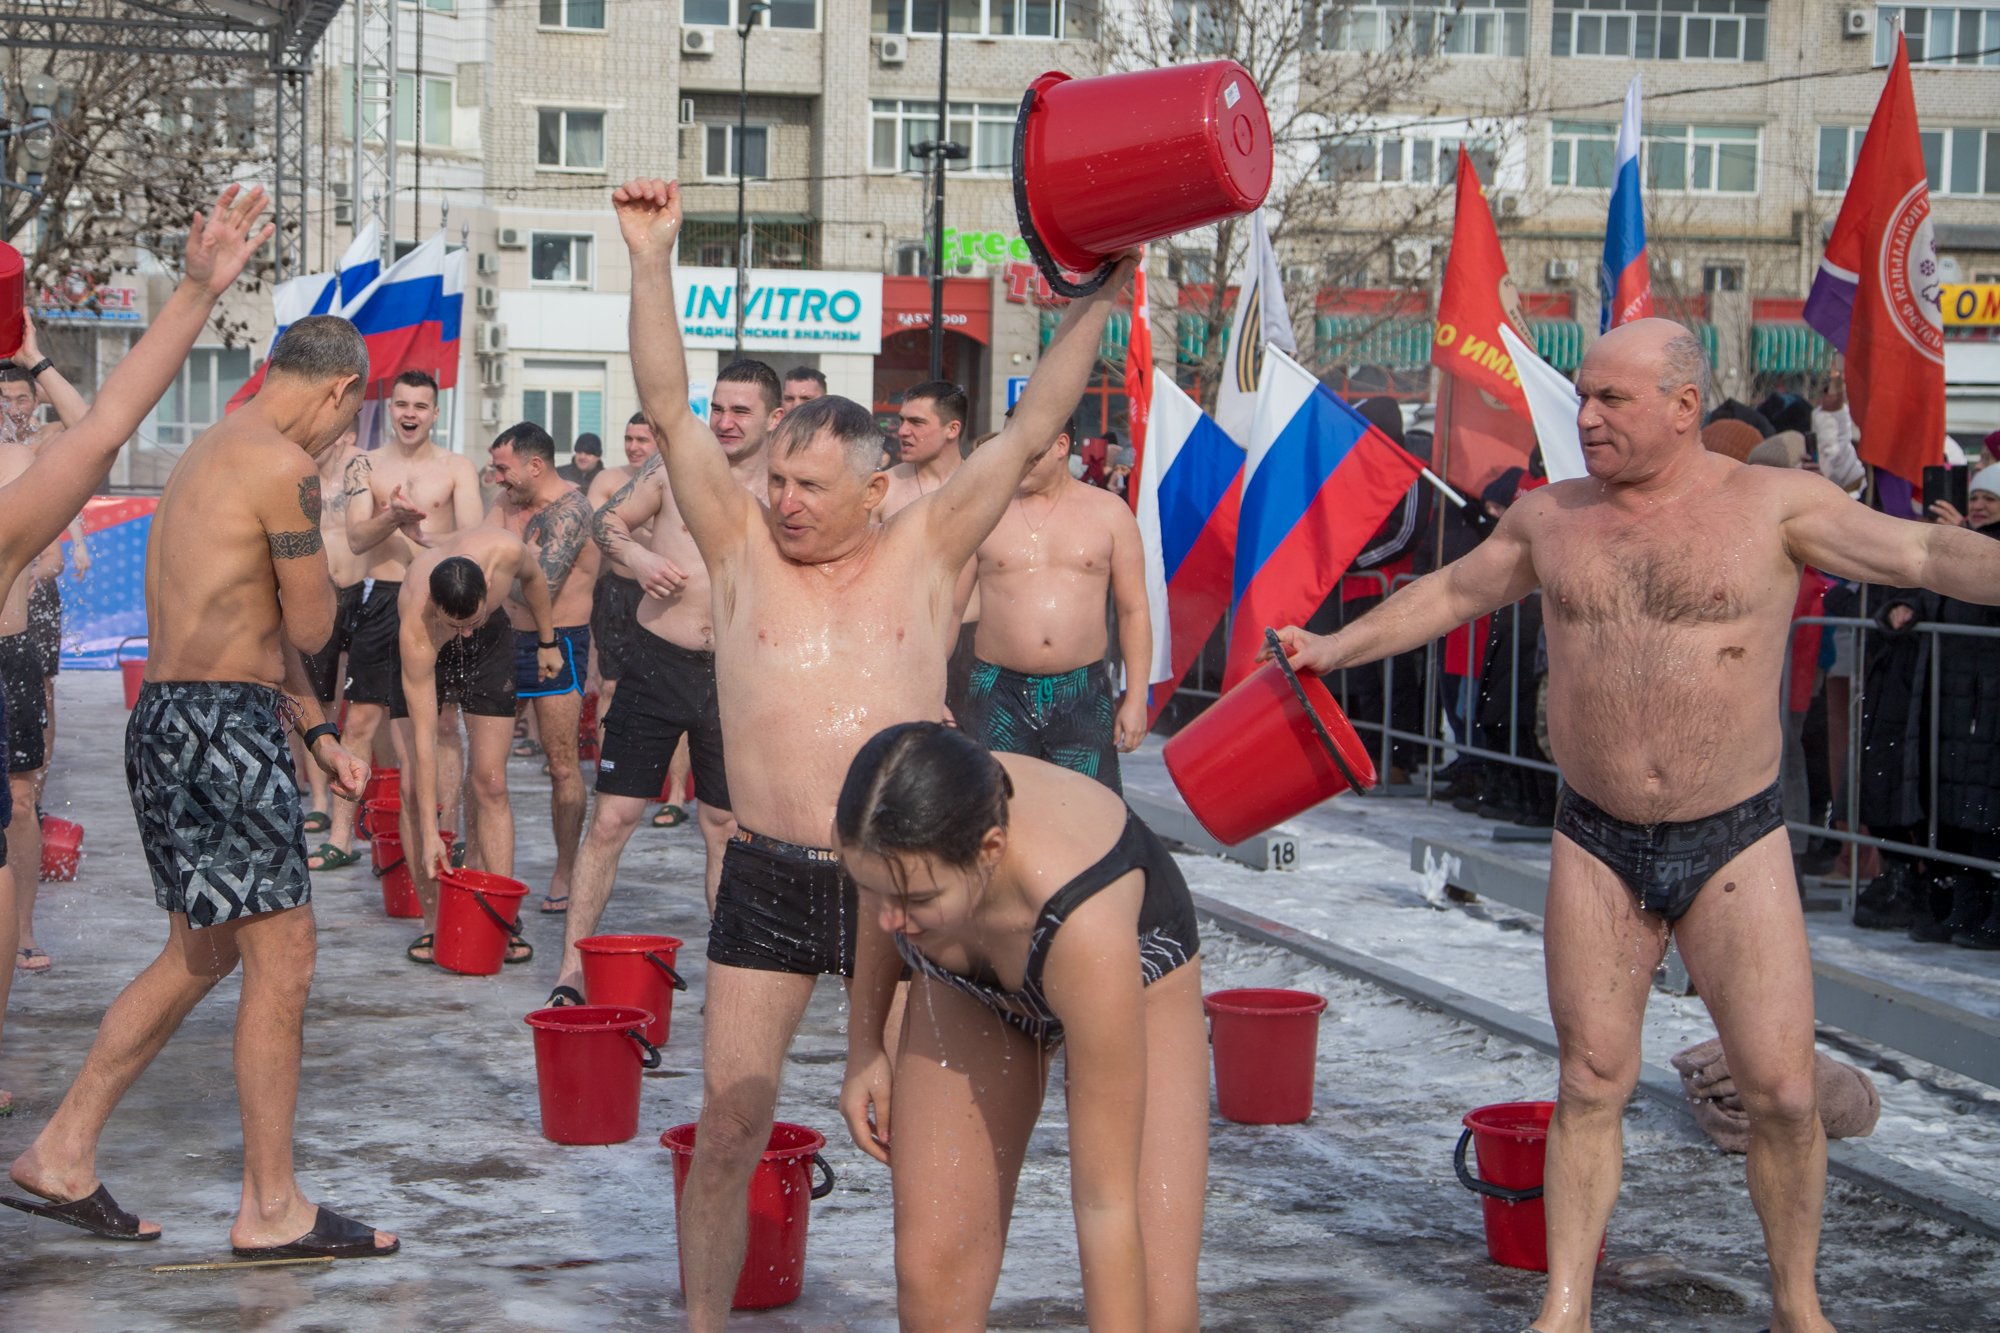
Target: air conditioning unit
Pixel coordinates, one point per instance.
(1413, 259)
(1506, 205)
(488, 265)
(687, 111)
(785, 256)
(343, 205)
(489, 411)
(698, 42)
(492, 339)
(493, 374)
(513, 238)
(1300, 277)
(487, 298)
(1562, 270)
(894, 50)
(1857, 22)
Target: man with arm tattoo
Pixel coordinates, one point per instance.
(330, 813)
(236, 589)
(553, 518)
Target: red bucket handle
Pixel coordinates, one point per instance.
(667, 968)
(506, 926)
(392, 867)
(1478, 1186)
(1024, 218)
(825, 1186)
(1354, 782)
(118, 653)
(650, 1059)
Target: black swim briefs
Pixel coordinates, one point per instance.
(323, 667)
(45, 615)
(667, 692)
(614, 622)
(1065, 719)
(572, 641)
(1665, 865)
(374, 653)
(210, 770)
(474, 671)
(27, 702)
(782, 908)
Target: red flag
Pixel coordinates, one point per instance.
(1876, 296)
(1138, 377)
(1486, 413)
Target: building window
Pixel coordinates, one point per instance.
(1963, 161)
(559, 260)
(1073, 19)
(1722, 277)
(439, 96)
(579, 15)
(1427, 27)
(435, 6)
(1673, 159)
(194, 401)
(1405, 159)
(729, 13)
(986, 128)
(570, 140)
(1660, 29)
(1940, 36)
(564, 398)
(711, 243)
(725, 155)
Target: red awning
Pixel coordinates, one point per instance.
(968, 306)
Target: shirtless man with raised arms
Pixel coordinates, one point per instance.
(1668, 576)
(456, 646)
(828, 627)
(1039, 684)
(236, 586)
(399, 498)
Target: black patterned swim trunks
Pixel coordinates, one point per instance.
(216, 798)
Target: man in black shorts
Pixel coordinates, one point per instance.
(457, 648)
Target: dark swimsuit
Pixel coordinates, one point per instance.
(1168, 936)
(1665, 865)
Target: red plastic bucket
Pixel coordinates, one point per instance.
(62, 848)
(586, 730)
(1258, 756)
(1106, 163)
(477, 911)
(781, 1189)
(1266, 1045)
(1511, 1142)
(587, 1063)
(399, 891)
(384, 784)
(133, 669)
(13, 297)
(634, 970)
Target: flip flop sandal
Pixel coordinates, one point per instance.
(332, 1237)
(34, 960)
(331, 857)
(99, 1214)
(318, 822)
(669, 816)
(525, 749)
(425, 941)
(563, 995)
(527, 953)
(555, 906)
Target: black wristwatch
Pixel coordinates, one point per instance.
(323, 729)
(552, 643)
(35, 371)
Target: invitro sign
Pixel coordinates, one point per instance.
(785, 310)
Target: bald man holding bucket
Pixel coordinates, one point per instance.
(1668, 577)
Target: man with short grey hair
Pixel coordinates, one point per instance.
(1668, 577)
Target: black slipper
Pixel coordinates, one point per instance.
(99, 1214)
(422, 942)
(563, 995)
(525, 954)
(332, 1237)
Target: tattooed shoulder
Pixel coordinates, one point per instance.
(309, 503)
(358, 474)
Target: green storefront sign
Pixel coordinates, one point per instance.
(982, 247)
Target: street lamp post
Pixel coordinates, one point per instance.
(944, 146)
(750, 13)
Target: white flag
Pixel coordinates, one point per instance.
(1260, 318)
(1552, 401)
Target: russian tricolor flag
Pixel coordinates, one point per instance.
(1318, 481)
(1624, 283)
(1190, 481)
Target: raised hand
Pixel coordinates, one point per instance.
(221, 243)
(649, 214)
(30, 352)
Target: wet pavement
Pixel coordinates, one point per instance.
(418, 1113)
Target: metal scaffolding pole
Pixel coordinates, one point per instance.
(290, 152)
(374, 175)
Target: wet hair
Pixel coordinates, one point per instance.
(1683, 362)
(319, 348)
(525, 438)
(1068, 427)
(587, 443)
(13, 374)
(922, 789)
(458, 587)
(805, 375)
(639, 419)
(850, 425)
(417, 379)
(950, 400)
(748, 371)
